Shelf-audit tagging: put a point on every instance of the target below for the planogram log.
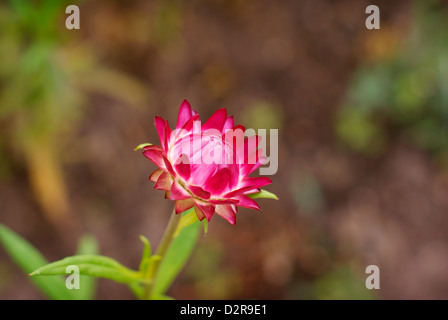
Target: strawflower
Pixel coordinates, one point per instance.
(206, 165)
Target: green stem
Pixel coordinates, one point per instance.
(164, 245)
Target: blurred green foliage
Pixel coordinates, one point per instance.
(28, 258)
(262, 115)
(206, 267)
(342, 284)
(38, 101)
(403, 95)
(46, 72)
(35, 87)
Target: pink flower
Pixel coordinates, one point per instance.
(206, 166)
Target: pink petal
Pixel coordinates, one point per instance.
(237, 192)
(223, 201)
(200, 173)
(168, 166)
(164, 182)
(216, 121)
(228, 124)
(160, 127)
(155, 175)
(248, 148)
(178, 192)
(251, 163)
(218, 182)
(255, 182)
(241, 138)
(260, 161)
(237, 133)
(245, 201)
(199, 192)
(184, 114)
(207, 209)
(182, 205)
(188, 126)
(227, 213)
(234, 139)
(168, 132)
(156, 155)
(234, 176)
(248, 192)
(182, 167)
(199, 213)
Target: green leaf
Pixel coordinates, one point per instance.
(205, 225)
(87, 284)
(175, 259)
(147, 252)
(146, 257)
(188, 217)
(136, 288)
(92, 265)
(142, 145)
(146, 271)
(263, 194)
(152, 263)
(28, 258)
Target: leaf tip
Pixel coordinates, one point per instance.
(205, 226)
(263, 194)
(141, 146)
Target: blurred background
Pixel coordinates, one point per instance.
(363, 149)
